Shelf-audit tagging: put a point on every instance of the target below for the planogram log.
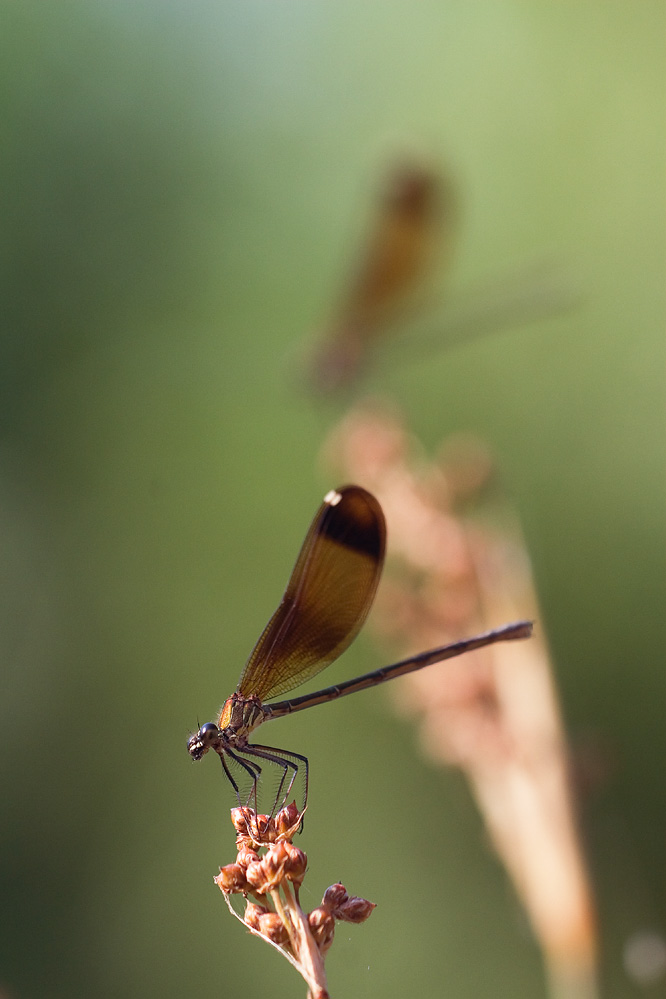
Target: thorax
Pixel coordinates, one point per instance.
(240, 716)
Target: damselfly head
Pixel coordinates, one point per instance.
(199, 744)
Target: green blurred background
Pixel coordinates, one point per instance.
(182, 185)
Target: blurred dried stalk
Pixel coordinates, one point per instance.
(270, 869)
(495, 713)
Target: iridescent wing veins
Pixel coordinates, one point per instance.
(328, 596)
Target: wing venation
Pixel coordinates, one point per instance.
(328, 596)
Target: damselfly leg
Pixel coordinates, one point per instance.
(266, 779)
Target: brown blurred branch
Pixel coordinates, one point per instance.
(496, 713)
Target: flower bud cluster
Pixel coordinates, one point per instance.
(256, 830)
(348, 908)
(336, 904)
(271, 869)
(282, 860)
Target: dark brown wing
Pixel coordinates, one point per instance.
(328, 596)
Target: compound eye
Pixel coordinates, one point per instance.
(208, 732)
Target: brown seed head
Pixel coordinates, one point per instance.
(334, 897)
(246, 857)
(355, 910)
(272, 927)
(252, 914)
(241, 819)
(275, 861)
(266, 874)
(287, 821)
(256, 877)
(296, 863)
(231, 878)
(322, 927)
(263, 829)
(257, 829)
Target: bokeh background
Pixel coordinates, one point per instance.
(182, 188)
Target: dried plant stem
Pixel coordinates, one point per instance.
(256, 933)
(309, 963)
(498, 717)
(285, 916)
(529, 811)
(310, 958)
(572, 981)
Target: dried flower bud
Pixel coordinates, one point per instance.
(231, 878)
(263, 829)
(256, 877)
(272, 927)
(252, 914)
(253, 827)
(322, 927)
(287, 821)
(266, 874)
(295, 864)
(355, 910)
(274, 862)
(334, 897)
(246, 857)
(244, 843)
(242, 819)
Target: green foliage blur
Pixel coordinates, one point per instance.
(183, 186)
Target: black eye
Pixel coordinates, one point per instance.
(208, 732)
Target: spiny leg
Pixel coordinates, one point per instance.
(230, 778)
(297, 756)
(265, 753)
(254, 771)
(248, 766)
